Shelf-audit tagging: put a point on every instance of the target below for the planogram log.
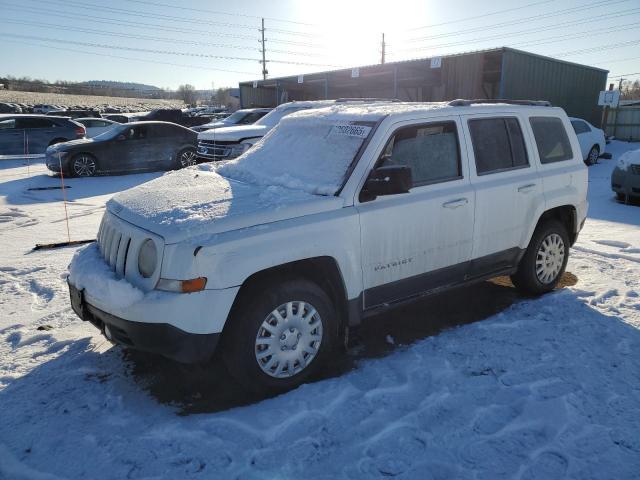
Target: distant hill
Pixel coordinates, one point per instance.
(134, 87)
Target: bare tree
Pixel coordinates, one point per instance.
(187, 93)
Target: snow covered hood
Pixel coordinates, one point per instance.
(631, 157)
(239, 132)
(72, 143)
(198, 201)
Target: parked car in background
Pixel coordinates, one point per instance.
(246, 116)
(625, 178)
(10, 108)
(116, 117)
(21, 134)
(96, 126)
(45, 108)
(230, 142)
(592, 140)
(131, 147)
(76, 113)
(173, 115)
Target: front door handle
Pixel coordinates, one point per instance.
(526, 188)
(458, 202)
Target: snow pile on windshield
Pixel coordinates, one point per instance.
(631, 157)
(90, 272)
(308, 150)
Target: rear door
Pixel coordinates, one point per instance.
(12, 139)
(39, 132)
(421, 240)
(507, 190)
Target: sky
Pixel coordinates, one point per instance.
(211, 43)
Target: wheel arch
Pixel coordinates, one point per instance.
(323, 270)
(565, 214)
(58, 140)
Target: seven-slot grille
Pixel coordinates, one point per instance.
(114, 246)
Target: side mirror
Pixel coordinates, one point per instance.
(121, 137)
(389, 180)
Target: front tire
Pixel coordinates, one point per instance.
(544, 261)
(83, 165)
(186, 158)
(280, 336)
(594, 154)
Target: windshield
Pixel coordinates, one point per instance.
(309, 152)
(272, 118)
(235, 117)
(112, 133)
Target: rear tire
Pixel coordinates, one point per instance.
(279, 336)
(545, 259)
(594, 154)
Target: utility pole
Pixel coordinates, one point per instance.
(383, 50)
(264, 48)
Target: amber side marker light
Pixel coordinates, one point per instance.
(182, 286)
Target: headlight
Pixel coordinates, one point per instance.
(238, 150)
(147, 258)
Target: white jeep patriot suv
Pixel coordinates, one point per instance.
(337, 213)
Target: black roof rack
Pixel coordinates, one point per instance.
(367, 100)
(466, 103)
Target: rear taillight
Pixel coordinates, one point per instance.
(80, 132)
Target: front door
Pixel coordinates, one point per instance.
(133, 153)
(419, 241)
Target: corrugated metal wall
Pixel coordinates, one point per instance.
(572, 87)
(624, 123)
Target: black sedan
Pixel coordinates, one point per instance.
(132, 147)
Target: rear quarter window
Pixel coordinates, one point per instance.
(551, 139)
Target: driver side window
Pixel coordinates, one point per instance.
(431, 151)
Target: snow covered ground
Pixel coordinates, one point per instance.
(478, 383)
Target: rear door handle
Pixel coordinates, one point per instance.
(458, 202)
(526, 188)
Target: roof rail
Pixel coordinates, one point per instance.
(466, 103)
(367, 100)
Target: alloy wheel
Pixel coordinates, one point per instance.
(84, 166)
(288, 339)
(593, 156)
(187, 158)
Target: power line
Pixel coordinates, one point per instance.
(146, 60)
(517, 22)
(529, 30)
(217, 12)
(624, 75)
(162, 52)
(138, 13)
(175, 18)
(118, 22)
(596, 49)
(480, 16)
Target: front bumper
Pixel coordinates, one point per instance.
(626, 182)
(160, 338)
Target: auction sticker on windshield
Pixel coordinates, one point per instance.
(360, 131)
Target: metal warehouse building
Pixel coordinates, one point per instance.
(498, 73)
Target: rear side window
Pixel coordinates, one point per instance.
(431, 150)
(498, 144)
(551, 139)
(580, 127)
(36, 123)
